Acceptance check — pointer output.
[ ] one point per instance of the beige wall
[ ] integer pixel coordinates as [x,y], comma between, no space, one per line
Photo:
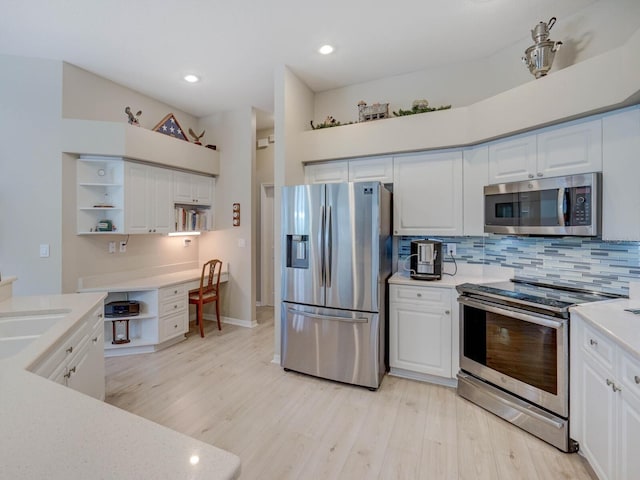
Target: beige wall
[263,175]
[599,28]
[88,96]
[30,173]
[235,135]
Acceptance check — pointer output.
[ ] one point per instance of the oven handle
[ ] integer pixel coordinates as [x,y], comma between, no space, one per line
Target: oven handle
[512,312]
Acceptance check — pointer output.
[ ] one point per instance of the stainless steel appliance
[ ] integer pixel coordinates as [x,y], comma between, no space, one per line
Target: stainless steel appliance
[426,260]
[548,206]
[514,353]
[337,258]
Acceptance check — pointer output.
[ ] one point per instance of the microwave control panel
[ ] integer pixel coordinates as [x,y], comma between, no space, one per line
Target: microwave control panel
[580,206]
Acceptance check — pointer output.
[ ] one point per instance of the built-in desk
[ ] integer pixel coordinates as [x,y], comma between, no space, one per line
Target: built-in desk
[163,319]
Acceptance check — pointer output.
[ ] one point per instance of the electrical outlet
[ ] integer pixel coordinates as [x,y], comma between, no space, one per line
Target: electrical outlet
[123,247]
[451,249]
[112,247]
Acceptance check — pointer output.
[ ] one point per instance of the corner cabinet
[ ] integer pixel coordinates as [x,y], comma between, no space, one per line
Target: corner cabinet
[100,195]
[605,402]
[420,333]
[428,194]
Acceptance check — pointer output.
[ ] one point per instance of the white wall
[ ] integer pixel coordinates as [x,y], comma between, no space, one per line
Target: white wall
[603,26]
[234,133]
[263,175]
[30,173]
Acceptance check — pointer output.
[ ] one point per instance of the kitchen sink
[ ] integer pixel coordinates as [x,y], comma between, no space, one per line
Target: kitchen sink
[10,346]
[27,324]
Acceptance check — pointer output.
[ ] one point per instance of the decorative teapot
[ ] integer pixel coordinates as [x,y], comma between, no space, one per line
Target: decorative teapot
[539,56]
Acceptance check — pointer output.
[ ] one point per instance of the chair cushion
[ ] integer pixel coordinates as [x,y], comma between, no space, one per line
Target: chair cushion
[205,297]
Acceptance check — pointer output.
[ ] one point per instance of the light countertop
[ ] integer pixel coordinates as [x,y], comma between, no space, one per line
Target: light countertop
[150,282]
[467,273]
[611,319]
[51,431]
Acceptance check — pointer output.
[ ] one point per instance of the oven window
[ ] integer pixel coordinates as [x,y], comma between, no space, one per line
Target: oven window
[516,348]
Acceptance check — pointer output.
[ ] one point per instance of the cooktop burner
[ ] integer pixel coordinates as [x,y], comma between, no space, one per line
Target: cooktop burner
[534,294]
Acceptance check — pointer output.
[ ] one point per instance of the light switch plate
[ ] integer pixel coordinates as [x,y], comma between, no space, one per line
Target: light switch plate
[112,247]
[44,250]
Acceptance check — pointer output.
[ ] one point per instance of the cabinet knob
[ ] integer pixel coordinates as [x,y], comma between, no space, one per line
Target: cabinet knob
[100,315]
[637,379]
[94,339]
[540,174]
[175,292]
[70,349]
[175,306]
[149,230]
[447,312]
[593,342]
[175,326]
[531,175]
[419,295]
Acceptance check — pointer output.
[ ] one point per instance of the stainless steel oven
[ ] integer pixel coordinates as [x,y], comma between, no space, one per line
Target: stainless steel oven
[514,354]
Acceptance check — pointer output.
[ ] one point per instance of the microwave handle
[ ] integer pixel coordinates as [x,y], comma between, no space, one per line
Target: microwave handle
[563,206]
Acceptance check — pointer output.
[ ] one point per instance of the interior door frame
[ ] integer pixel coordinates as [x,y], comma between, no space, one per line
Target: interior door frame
[266,227]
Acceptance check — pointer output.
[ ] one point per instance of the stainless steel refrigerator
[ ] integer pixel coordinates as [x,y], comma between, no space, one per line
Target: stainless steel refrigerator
[337,258]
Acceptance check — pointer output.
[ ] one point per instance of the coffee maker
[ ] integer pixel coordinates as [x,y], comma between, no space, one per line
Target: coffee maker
[426,260]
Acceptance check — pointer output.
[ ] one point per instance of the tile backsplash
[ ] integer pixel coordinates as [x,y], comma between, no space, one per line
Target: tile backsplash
[582,262]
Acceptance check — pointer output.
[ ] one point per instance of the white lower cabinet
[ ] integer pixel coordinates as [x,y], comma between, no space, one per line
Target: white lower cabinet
[605,402]
[420,331]
[78,358]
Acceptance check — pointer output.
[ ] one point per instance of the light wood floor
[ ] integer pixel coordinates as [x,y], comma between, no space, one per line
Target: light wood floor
[225,391]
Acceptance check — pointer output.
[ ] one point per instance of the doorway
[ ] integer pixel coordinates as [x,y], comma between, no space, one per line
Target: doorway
[267,293]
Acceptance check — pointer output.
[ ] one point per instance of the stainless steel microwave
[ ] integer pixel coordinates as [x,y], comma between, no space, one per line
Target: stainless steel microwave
[568,205]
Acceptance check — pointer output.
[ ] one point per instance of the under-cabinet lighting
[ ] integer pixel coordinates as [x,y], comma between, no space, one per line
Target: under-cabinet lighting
[182,234]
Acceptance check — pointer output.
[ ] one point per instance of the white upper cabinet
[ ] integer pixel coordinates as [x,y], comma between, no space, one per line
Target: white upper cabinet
[620,173]
[475,176]
[556,151]
[148,198]
[570,149]
[428,194]
[374,169]
[192,189]
[513,159]
[330,172]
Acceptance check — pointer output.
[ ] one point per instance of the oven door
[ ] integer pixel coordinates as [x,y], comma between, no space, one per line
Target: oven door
[522,352]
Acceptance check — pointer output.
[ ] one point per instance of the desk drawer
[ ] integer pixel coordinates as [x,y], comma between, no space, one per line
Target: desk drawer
[173,306]
[172,293]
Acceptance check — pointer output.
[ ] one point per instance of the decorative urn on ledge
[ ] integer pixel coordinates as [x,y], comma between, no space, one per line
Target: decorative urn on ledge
[539,56]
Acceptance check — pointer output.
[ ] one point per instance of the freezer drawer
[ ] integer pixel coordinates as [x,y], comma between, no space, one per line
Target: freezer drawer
[338,345]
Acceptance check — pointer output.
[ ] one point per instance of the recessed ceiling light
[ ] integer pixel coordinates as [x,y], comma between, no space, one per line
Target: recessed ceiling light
[325,49]
[192,78]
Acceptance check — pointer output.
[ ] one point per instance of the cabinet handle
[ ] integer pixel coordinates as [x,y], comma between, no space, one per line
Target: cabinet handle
[447,312]
[68,374]
[593,342]
[100,315]
[419,295]
[637,379]
[540,174]
[616,388]
[94,339]
[70,349]
[531,175]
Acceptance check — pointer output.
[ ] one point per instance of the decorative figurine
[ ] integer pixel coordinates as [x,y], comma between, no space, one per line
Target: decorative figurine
[376,111]
[133,119]
[196,138]
[539,56]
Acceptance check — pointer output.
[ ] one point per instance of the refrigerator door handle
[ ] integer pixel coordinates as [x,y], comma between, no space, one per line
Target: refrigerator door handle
[328,241]
[327,317]
[321,235]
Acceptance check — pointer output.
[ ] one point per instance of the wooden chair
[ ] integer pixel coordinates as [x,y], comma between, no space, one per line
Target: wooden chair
[208,291]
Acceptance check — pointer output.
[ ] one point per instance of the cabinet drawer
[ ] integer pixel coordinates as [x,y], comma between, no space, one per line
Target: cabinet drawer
[171,293]
[598,346]
[420,295]
[65,350]
[630,374]
[175,306]
[173,325]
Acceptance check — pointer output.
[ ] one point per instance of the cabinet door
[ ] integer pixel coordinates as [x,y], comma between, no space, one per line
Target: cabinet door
[89,374]
[597,417]
[513,159]
[331,172]
[420,330]
[202,189]
[427,197]
[182,188]
[629,437]
[161,191]
[378,169]
[621,170]
[576,148]
[137,203]
[475,173]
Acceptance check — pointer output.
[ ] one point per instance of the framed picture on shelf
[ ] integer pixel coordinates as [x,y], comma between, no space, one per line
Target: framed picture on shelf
[170,126]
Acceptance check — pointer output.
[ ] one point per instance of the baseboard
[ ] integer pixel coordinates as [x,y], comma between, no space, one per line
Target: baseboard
[232,321]
[276,359]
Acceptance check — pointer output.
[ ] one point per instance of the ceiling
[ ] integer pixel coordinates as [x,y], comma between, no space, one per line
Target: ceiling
[235,46]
